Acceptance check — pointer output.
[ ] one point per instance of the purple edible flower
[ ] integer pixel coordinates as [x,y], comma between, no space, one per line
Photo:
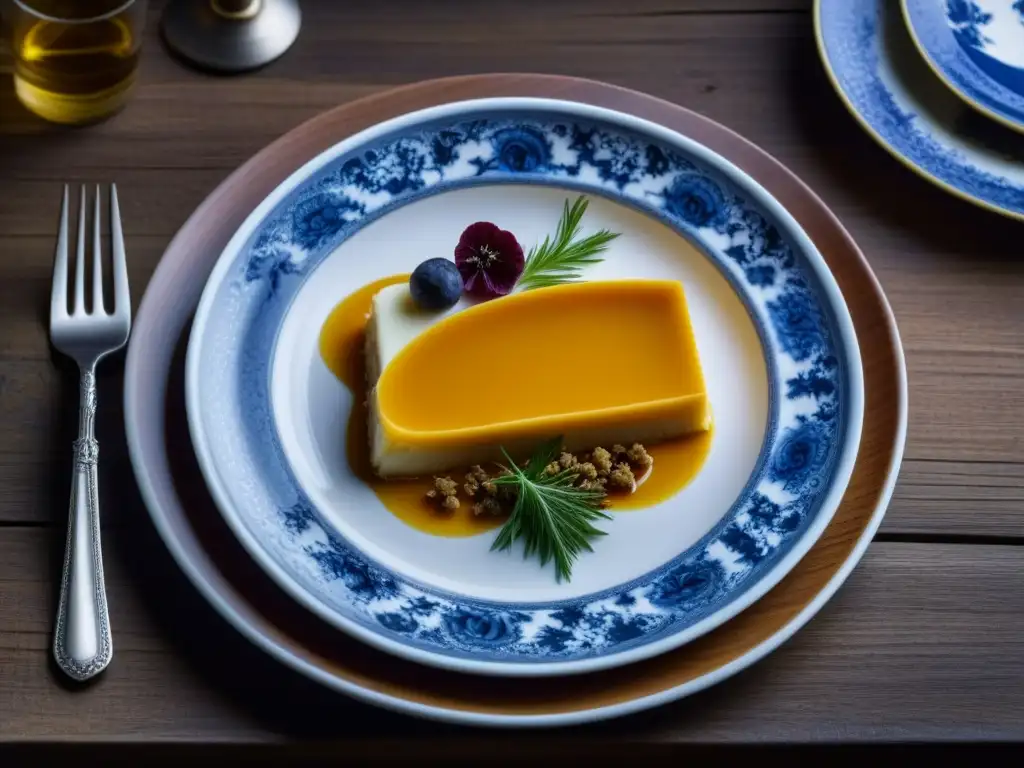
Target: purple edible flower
[489,259]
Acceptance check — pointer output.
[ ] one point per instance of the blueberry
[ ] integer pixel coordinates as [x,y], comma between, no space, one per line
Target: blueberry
[436,284]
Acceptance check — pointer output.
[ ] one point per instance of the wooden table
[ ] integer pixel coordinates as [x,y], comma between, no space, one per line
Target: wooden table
[926,640]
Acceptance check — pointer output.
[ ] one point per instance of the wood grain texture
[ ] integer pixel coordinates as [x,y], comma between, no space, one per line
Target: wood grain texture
[952,272]
[923,643]
[943,651]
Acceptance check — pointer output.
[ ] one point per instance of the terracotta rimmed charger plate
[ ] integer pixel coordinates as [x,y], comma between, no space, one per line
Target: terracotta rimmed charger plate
[185,516]
[778,355]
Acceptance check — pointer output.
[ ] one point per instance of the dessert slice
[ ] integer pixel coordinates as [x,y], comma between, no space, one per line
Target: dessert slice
[597,362]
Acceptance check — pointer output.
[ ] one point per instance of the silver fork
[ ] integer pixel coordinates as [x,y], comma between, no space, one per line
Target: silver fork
[81,643]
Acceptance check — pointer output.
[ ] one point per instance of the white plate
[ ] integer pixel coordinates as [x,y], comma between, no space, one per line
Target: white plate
[311,408]
[774,335]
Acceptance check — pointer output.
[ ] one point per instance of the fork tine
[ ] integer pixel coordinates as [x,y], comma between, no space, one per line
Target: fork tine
[97,258]
[122,299]
[79,307]
[59,292]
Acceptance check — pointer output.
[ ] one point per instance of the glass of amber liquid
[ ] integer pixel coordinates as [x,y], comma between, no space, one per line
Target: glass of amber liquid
[75,61]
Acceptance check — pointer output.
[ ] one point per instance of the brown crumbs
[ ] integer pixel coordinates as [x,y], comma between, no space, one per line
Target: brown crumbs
[602,461]
[446,486]
[488,505]
[601,471]
[639,456]
[444,494]
[622,477]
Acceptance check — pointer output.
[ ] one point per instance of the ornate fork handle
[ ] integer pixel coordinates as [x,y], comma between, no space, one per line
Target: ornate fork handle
[81,643]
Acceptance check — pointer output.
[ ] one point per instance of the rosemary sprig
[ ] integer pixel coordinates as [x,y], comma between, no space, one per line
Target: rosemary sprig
[551,515]
[561,260]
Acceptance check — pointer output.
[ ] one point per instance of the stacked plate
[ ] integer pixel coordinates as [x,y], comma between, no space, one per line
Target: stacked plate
[938,83]
[245,452]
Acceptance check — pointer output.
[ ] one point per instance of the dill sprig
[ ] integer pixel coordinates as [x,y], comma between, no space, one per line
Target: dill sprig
[551,515]
[561,260]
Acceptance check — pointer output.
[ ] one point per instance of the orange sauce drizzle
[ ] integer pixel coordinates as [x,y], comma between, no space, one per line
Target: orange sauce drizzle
[342,340]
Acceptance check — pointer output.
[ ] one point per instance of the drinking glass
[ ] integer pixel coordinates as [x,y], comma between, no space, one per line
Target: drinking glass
[75,61]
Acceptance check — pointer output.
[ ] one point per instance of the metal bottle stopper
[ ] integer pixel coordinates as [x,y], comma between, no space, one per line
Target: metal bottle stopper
[230,35]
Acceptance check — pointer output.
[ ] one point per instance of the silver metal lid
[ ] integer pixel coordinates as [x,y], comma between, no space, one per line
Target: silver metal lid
[230,35]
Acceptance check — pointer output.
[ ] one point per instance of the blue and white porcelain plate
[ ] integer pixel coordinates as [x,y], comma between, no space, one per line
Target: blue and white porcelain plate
[884,82]
[777,345]
[977,48]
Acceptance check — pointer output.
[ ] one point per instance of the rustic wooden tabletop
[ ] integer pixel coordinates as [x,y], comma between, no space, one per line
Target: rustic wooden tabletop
[926,640]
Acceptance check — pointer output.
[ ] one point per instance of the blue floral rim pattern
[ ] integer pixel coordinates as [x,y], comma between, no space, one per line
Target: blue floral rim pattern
[952,35]
[852,40]
[815,407]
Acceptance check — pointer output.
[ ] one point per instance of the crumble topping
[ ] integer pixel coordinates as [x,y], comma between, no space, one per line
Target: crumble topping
[621,477]
[638,455]
[599,470]
[602,461]
[444,494]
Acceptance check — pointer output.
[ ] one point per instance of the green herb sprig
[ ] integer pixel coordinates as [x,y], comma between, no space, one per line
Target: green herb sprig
[561,260]
[551,515]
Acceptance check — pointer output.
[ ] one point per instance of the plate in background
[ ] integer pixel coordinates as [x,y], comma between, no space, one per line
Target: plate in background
[880,77]
[977,48]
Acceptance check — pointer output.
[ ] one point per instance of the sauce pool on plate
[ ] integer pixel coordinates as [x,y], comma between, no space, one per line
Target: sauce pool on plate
[676,462]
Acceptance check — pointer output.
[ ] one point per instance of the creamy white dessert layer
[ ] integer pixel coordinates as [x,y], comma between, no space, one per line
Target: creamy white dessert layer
[395,320]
